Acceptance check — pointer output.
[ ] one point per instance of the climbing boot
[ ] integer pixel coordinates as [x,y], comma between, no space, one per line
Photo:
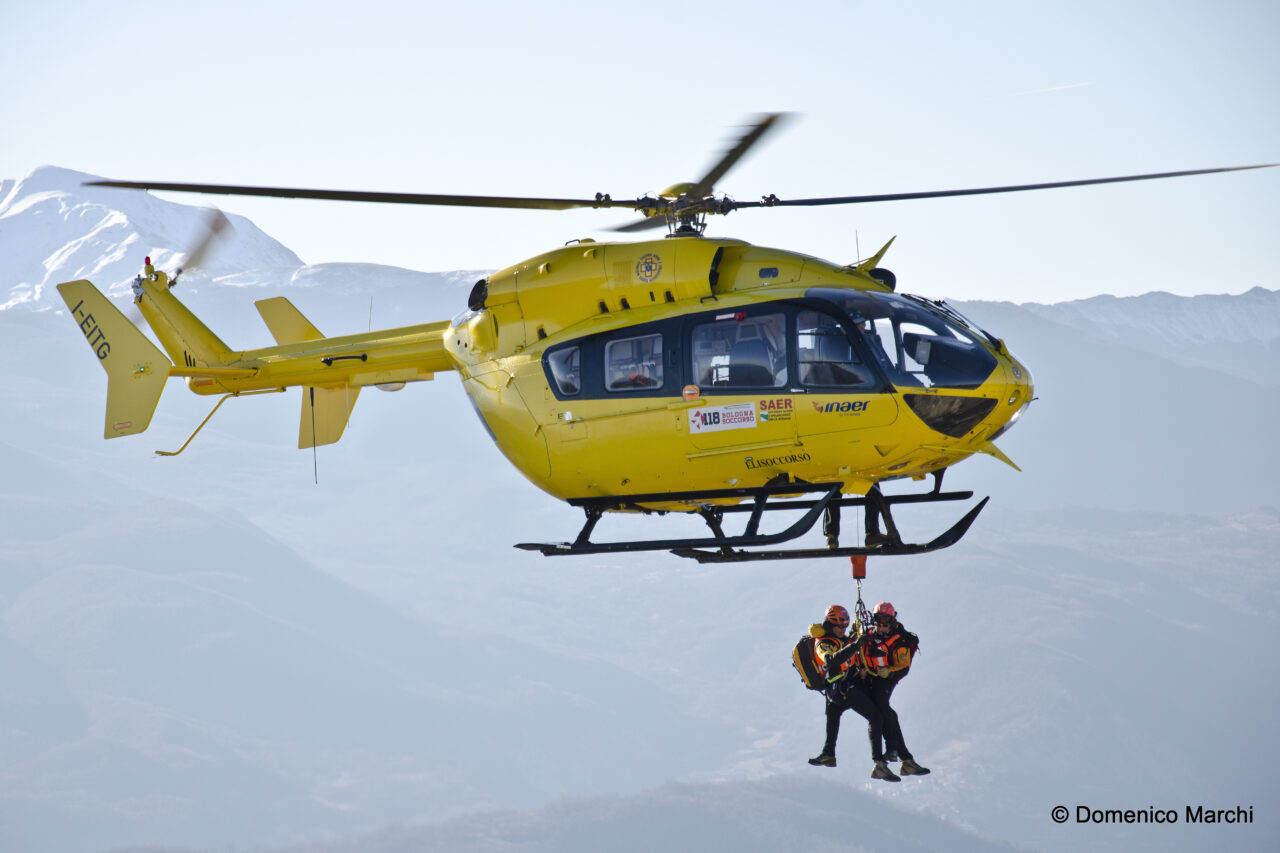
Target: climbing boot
[882,771]
[910,768]
[826,759]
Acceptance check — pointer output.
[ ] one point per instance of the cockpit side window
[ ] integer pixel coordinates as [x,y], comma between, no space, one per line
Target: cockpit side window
[825,355]
[923,352]
[916,344]
[740,351]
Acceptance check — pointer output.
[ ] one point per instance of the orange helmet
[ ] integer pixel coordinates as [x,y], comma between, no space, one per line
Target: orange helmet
[838,615]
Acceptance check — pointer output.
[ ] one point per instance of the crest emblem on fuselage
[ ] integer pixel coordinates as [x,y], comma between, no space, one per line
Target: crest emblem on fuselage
[648,267]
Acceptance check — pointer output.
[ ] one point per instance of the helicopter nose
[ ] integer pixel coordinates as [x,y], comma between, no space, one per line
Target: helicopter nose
[1020,393]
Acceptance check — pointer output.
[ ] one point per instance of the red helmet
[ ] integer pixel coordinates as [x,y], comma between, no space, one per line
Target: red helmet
[837,615]
[886,608]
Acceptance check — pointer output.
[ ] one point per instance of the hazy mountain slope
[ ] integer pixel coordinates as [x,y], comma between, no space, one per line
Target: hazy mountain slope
[783,813]
[1118,426]
[207,669]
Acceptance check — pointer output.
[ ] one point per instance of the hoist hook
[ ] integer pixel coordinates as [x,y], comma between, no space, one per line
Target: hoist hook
[858,563]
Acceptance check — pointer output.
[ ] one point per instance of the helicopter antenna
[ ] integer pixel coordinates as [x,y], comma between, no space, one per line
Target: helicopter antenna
[315,464]
[857,246]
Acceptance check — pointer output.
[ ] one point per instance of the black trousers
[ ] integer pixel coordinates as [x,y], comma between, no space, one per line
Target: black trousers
[880,689]
[853,693]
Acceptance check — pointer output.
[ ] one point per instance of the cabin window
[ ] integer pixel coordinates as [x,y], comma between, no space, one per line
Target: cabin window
[633,364]
[566,369]
[825,354]
[740,351]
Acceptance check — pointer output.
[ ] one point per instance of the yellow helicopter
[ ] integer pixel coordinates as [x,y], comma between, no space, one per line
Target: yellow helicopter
[684,374]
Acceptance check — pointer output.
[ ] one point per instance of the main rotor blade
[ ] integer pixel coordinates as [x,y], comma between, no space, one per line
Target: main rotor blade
[383,198]
[646,224]
[734,154]
[772,201]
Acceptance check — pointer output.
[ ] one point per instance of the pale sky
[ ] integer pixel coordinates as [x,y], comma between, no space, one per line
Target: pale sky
[566,100]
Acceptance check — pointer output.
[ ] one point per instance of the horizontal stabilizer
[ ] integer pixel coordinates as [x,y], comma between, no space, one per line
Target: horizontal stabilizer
[324,414]
[286,322]
[136,368]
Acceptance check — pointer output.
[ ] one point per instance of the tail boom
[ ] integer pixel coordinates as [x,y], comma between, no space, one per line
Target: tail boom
[331,371]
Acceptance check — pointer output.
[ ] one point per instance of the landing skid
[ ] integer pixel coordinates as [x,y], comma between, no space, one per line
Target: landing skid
[725,549]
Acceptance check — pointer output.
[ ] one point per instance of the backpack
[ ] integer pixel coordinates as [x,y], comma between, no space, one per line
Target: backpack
[802,658]
[912,642]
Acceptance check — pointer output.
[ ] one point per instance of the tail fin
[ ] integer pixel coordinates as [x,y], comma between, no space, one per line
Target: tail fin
[136,369]
[324,414]
[286,322]
[324,410]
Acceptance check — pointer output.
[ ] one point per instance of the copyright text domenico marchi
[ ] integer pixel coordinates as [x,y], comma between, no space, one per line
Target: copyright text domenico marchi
[1151,814]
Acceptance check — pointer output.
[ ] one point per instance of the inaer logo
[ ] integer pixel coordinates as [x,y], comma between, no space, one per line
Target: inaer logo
[648,267]
[848,407]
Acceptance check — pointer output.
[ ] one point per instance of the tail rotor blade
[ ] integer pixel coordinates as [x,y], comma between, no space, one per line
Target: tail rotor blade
[215,225]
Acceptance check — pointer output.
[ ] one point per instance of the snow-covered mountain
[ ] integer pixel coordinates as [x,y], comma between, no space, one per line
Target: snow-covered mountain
[38,212]
[233,647]
[1234,334]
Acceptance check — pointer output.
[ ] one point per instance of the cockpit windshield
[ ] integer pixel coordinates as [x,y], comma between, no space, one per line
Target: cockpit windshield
[915,342]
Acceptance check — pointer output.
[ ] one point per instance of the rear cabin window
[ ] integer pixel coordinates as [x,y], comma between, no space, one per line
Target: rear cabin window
[633,364]
[737,351]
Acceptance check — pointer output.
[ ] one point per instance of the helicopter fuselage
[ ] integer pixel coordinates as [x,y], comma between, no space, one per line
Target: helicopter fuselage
[683,367]
[692,364]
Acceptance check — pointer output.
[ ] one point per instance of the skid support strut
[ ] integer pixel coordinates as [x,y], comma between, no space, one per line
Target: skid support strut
[721,547]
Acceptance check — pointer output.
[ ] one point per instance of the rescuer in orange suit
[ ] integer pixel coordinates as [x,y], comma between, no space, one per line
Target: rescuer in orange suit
[890,657]
[845,662]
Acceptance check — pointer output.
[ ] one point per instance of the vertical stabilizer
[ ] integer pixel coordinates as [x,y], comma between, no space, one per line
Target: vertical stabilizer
[136,369]
[325,411]
[324,414]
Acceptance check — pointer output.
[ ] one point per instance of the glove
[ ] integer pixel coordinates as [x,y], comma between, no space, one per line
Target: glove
[840,658]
